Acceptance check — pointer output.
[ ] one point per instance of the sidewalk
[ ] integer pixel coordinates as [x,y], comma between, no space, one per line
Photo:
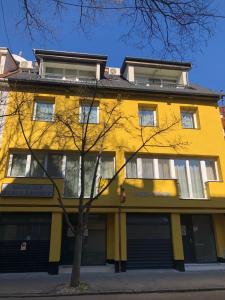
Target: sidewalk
[136,281]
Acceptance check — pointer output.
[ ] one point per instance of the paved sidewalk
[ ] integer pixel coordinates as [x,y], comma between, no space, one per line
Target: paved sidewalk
[137,281]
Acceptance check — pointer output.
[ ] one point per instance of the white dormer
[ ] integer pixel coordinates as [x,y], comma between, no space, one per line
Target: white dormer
[70,66]
[156,73]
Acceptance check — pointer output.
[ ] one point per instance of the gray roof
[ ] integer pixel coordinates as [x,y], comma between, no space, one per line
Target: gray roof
[115,82]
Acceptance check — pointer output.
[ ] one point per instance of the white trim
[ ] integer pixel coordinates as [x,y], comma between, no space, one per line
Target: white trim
[28,165]
[217,170]
[156,168]
[139,167]
[188,173]
[172,169]
[64,165]
[10,165]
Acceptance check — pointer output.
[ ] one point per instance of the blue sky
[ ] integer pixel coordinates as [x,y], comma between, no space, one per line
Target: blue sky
[208,64]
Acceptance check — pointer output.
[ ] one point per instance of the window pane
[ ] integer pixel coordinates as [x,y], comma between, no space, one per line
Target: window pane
[131,168]
[70,74]
[164,168]
[147,168]
[56,73]
[89,167]
[196,179]
[181,175]
[107,166]
[54,166]
[210,170]
[71,183]
[89,111]
[44,111]
[187,119]
[35,169]
[87,75]
[146,117]
[18,165]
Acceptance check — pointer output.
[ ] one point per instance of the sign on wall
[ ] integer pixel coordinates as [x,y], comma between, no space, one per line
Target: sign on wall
[27,190]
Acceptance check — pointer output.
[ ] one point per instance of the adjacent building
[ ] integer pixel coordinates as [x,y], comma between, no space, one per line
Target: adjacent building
[172,207]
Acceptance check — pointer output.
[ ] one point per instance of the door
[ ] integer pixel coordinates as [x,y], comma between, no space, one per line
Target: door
[198,239]
[149,241]
[24,242]
[94,244]
[188,240]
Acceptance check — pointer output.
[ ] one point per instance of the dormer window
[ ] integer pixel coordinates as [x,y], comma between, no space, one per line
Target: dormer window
[71,74]
[155,73]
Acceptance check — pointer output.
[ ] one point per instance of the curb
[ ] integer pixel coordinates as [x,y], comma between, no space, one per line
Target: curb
[113,292]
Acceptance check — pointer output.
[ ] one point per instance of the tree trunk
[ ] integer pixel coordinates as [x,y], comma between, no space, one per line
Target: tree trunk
[75,275]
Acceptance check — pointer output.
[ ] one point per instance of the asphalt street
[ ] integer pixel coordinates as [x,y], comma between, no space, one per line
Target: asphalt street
[209,295]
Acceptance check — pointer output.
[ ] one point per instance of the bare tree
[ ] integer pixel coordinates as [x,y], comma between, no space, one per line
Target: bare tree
[166,27]
[73,129]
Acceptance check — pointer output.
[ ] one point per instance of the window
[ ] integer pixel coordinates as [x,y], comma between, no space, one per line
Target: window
[43,110]
[71,183]
[107,166]
[89,114]
[55,165]
[140,167]
[211,170]
[164,168]
[72,173]
[188,119]
[190,179]
[70,74]
[147,117]
[17,165]
[35,169]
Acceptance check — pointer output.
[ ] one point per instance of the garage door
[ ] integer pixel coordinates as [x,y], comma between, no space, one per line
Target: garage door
[94,244]
[24,242]
[149,242]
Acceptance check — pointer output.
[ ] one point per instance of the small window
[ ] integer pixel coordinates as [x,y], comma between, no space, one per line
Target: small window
[164,168]
[211,170]
[17,166]
[54,165]
[107,166]
[188,119]
[43,110]
[147,117]
[89,114]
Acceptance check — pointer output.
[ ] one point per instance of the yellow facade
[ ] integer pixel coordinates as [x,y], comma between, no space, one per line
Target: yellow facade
[153,196]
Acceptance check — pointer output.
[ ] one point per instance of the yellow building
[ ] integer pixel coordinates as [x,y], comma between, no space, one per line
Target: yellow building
[164,210]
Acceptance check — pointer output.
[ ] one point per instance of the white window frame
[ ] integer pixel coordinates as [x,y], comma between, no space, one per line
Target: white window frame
[154,116]
[35,110]
[10,165]
[195,122]
[80,113]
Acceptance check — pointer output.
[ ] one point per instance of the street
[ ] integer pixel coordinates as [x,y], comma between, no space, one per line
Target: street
[209,295]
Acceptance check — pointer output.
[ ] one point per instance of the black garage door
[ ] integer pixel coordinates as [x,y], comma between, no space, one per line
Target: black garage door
[94,245]
[24,242]
[149,242]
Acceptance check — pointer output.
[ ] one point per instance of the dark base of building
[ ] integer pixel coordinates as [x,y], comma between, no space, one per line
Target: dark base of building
[53,268]
[221,259]
[179,265]
[120,266]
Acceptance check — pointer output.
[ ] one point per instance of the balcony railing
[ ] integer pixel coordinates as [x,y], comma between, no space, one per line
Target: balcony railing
[71,78]
[161,84]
